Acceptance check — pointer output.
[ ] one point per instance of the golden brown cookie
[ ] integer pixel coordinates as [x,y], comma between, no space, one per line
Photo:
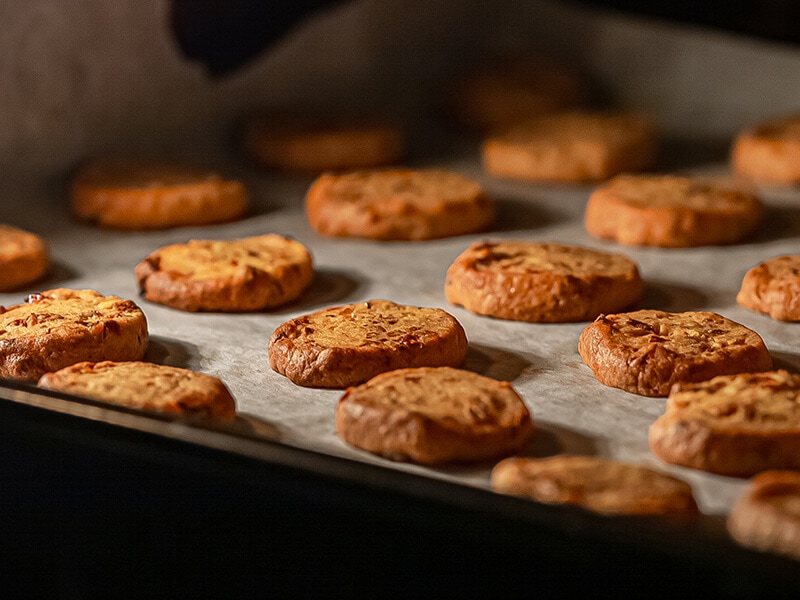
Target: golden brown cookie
[397,204]
[57,328]
[671,211]
[139,195]
[575,147]
[314,145]
[773,288]
[504,91]
[607,487]
[541,282]
[735,425]
[769,152]
[434,416]
[226,275]
[146,386]
[766,516]
[347,345]
[23,258]
[647,351]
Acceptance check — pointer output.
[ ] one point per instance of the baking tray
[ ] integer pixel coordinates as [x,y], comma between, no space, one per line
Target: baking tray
[283,450]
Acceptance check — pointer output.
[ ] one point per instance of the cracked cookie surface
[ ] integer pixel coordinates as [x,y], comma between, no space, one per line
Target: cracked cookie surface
[647,351]
[347,345]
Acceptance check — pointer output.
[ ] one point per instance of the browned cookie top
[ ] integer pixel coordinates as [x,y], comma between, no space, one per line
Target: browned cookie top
[773,288]
[146,386]
[59,327]
[541,282]
[397,204]
[434,415]
[647,351]
[604,486]
[226,275]
[346,345]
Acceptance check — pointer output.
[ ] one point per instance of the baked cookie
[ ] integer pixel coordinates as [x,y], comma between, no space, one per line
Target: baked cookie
[140,196]
[59,327]
[575,147]
[647,351]
[769,152]
[504,91]
[773,288]
[604,486]
[670,211]
[313,145]
[397,204]
[347,345]
[766,516]
[735,425]
[23,258]
[434,416]
[146,386]
[541,282]
[226,275]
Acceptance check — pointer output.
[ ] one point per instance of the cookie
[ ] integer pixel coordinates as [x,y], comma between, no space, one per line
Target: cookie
[571,147]
[671,211]
[141,196]
[647,351]
[397,204]
[503,91]
[434,416]
[607,487]
[314,145]
[146,386]
[347,345]
[60,327]
[766,516]
[773,288]
[769,152]
[23,258]
[241,275]
[541,282]
[735,425]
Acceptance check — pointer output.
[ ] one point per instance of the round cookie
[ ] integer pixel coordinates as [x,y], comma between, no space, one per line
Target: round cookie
[397,204]
[502,92]
[314,145]
[141,196]
[670,211]
[604,486]
[541,282]
[769,152]
[434,416]
[60,327]
[766,516]
[146,386]
[23,258]
[773,288]
[573,147]
[735,425]
[347,345]
[647,351]
[247,274]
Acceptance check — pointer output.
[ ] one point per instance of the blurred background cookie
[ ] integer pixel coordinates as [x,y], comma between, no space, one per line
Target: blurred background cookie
[23,258]
[139,195]
[769,152]
[773,288]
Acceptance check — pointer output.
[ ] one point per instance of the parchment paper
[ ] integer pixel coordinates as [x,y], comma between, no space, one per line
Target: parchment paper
[90,77]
